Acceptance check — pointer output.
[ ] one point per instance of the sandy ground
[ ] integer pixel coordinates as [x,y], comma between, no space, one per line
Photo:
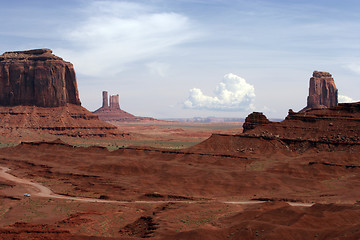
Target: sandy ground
[162,134]
[171,194]
[173,135]
[39,190]
[226,187]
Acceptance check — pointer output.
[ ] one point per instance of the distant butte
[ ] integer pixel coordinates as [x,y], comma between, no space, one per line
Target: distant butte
[322,92]
[114,112]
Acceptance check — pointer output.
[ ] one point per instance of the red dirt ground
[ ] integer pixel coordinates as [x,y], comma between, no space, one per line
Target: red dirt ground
[197,192]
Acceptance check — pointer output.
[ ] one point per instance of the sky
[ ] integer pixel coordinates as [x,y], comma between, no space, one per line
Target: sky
[194,58]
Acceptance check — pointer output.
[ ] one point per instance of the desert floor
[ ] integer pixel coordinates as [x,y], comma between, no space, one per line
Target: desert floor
[225,187]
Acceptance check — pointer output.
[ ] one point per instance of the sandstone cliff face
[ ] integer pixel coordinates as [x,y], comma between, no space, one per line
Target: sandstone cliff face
[37,78]
[322,91]
[39,97]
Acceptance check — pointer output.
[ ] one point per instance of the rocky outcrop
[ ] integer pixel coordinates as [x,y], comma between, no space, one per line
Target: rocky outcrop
[114,112]
[114,102]
[68,121]
[39,97]
[333,128]
[105,99]
[37,78]
[322,91]
[253,120]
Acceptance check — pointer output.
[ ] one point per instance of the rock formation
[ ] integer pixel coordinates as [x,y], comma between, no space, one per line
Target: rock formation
[114,102]
[39,94]
[334,129]
[105,99]
[253,120]
[114,112]
[68,121]
[36,78]
[322,91]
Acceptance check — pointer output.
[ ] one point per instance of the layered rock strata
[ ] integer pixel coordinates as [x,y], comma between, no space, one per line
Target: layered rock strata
[39,95]
[69,120]
[330,127]
[333,129]
[37,78]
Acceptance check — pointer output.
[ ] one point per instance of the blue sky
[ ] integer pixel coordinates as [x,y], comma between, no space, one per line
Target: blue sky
[186,58]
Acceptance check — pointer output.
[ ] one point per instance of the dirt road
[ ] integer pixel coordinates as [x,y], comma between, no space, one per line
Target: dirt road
[39,190]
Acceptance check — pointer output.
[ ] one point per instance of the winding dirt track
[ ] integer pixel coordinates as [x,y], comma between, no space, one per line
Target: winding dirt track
[39,190]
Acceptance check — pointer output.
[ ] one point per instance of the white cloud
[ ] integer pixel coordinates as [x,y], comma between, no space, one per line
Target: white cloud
[114,34]
[158,68]
[355,67]
[345,99]
[233,93]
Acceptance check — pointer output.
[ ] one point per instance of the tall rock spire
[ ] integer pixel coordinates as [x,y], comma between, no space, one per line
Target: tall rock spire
[322,91]
[105,99]
[114,101]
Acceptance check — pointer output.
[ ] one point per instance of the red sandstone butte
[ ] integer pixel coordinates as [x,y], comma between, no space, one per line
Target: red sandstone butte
[322,91]
[114,112]
[253,120]
[36,78]
[39,94]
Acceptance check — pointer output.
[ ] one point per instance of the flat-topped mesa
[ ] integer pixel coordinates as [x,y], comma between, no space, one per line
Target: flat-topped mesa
[37,78]
[39,94]
[322,91]
[35,54]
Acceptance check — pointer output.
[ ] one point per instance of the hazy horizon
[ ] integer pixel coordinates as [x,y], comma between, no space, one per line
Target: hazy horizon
[188,58]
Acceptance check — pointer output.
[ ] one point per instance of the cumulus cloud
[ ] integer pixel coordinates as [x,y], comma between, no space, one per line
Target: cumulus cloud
[345,99]
[113,34]
[233,93]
